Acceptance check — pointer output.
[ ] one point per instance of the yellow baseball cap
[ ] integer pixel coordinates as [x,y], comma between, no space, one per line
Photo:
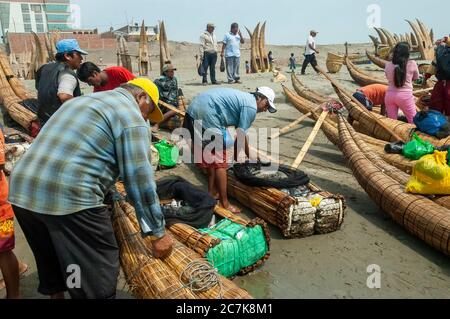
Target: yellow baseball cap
[152,91]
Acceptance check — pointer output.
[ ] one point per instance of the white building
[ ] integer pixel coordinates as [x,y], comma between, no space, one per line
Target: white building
[34,15]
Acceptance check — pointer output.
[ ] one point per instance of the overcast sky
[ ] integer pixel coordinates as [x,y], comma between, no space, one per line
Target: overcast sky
[288,21]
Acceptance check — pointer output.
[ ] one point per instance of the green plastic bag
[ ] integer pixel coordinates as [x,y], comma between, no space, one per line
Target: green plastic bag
[240,247]
[168,154]
[417,148]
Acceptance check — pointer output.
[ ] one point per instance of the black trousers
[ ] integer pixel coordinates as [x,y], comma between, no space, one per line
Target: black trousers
[311,58]
[209,61]
[76,253]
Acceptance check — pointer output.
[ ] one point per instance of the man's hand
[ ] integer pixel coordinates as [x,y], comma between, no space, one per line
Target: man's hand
[2,169]
[162,247]
[317,51]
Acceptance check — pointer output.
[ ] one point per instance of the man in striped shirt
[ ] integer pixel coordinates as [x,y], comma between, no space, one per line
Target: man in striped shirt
[58,188]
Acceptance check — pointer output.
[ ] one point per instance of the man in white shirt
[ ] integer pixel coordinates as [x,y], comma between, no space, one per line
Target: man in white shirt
[310,52]
[232,52]
[208,53]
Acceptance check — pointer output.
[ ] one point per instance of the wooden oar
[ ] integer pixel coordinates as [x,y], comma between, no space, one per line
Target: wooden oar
[350,96]
[172,108]
[310,140]
[423,91]
[297,122]
[289,127]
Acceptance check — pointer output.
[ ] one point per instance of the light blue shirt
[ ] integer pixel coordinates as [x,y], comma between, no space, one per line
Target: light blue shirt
[223,107]
[232,43]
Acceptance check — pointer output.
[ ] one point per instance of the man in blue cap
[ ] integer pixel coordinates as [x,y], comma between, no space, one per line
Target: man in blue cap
[56,82]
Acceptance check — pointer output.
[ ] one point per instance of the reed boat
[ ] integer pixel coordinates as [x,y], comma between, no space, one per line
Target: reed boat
[144,57]
[164,52]
[376,60]
[419,215]
[259,61]
[375,125]
[361,77]
[307,93]
[395,165]
[330,130]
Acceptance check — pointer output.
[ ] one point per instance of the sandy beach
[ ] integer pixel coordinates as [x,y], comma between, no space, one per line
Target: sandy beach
[325,266]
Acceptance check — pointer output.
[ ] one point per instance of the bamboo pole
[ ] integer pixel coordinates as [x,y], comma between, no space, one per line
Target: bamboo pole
[336,84]
[310,140]
[289,127]
[172,108]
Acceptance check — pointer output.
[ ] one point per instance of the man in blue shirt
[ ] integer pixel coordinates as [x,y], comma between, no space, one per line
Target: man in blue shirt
[58,188]
[207,120]
[231,51]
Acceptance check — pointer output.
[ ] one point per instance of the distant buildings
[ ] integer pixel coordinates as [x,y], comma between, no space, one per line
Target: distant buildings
[132,32]
[40,16]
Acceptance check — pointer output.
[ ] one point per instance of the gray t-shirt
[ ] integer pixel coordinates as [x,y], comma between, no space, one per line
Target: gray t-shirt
[67,84]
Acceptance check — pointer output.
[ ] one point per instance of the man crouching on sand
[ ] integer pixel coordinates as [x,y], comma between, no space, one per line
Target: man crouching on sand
[58,188]
[218,109]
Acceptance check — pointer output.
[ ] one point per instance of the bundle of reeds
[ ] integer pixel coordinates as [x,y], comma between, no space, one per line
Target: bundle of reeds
[201,242]
[283,210]
[14,82]
[182,262]
[147,277]
[10,101]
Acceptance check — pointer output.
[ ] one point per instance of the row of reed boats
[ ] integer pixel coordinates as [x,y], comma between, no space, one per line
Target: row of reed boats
[382,175]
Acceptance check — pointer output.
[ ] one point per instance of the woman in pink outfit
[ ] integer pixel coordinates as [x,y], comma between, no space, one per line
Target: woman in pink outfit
[401,73]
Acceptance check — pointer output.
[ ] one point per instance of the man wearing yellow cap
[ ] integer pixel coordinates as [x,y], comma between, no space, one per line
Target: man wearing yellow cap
[58,188]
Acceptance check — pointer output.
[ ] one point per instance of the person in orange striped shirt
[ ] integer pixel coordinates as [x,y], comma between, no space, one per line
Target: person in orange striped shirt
[372,95]
[9,265]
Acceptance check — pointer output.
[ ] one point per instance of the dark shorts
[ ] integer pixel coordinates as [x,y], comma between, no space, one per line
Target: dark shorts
[77,253]
[361,97]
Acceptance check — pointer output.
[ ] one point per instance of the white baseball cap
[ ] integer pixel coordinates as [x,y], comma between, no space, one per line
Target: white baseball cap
[270,95]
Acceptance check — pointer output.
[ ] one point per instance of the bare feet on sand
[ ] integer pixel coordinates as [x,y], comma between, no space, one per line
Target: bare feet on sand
[23,268]
[231,208]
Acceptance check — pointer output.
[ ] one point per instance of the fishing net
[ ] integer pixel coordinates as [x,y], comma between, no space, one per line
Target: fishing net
[258,175]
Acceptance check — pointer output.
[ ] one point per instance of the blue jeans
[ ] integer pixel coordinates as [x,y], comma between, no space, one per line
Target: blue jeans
[233,68]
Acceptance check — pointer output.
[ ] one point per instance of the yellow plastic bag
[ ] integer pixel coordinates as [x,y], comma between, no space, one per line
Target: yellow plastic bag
[431,175]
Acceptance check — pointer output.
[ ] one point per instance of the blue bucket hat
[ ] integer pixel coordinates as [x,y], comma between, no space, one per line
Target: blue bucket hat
[69,45]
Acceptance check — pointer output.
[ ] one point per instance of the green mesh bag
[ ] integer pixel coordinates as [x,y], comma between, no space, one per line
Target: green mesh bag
[240,247]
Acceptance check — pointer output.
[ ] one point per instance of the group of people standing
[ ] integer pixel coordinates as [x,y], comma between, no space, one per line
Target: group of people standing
[230,51]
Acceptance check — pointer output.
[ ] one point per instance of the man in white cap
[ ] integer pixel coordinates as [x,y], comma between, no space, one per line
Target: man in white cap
[310,52]
[218,109]
[208,53]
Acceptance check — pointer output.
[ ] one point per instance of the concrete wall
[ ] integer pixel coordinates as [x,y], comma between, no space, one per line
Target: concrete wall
[21,42]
